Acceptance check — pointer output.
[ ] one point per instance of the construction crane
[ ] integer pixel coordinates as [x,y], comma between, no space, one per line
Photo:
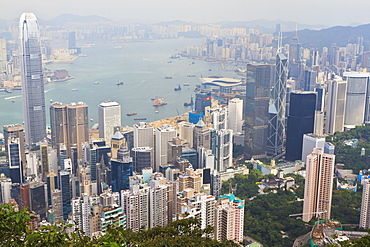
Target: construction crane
[320,212]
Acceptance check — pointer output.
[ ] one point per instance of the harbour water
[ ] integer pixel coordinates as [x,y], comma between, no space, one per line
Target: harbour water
[142,67]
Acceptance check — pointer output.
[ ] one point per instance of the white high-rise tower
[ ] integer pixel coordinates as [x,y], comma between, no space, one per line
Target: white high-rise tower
[109,117]
[235,115]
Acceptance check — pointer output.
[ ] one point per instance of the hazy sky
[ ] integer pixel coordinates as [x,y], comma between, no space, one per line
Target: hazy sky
[326,12]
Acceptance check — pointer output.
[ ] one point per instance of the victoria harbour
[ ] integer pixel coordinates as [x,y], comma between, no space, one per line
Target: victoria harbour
[140,66]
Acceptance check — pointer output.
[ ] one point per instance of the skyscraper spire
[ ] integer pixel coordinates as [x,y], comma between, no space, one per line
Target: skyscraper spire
[32,79]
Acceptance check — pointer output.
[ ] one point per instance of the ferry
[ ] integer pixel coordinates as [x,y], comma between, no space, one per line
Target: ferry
[140,118]
[186,84]
[131,114]
[168,77]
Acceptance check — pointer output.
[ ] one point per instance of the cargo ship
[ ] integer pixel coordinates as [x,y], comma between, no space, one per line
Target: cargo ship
[191,102]
[140,118]
[159,102]
[131,114]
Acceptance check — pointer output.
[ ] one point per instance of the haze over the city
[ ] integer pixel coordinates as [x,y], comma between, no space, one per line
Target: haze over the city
[328,13]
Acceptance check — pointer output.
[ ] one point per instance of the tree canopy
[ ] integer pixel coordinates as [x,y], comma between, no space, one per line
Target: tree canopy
[15,231]
[348,155]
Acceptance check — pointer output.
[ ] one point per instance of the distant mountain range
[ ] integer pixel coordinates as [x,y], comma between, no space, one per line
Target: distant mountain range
[61,20]
[309,35]
[339,35]
[268,26]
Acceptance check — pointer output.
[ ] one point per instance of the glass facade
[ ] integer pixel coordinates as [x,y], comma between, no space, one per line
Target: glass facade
[256,110]
[32,79]
[277,108]
[121,171]
[300,121]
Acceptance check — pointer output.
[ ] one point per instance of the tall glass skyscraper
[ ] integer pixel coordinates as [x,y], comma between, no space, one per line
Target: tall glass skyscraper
[276,136]
[256,110]
[32,79]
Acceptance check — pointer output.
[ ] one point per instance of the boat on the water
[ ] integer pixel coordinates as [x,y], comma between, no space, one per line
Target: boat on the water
[131,114]
[159,102]
[168,77]
[186,84]
[74,89]
[96,83]
[119,83]
[191,75]
[190,103]
[140,118]
[177,88]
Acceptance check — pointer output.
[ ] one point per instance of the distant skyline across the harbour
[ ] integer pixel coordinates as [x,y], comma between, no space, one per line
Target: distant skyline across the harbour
[314,12]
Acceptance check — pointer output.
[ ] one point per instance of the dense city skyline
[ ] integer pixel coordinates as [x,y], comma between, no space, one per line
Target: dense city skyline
[201,164]
[328,13]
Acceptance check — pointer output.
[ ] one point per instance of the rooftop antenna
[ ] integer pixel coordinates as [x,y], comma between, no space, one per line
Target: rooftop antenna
[280,41]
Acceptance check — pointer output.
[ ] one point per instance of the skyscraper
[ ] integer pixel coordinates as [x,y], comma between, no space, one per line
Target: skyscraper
[235,116]
[109,117]
[224,149]
[142,157]
[365,205]
[69,126]
[358,99]
[66,192]
[202,100]
[276,134]
[32,79]
[318,185]
[163,135]
[121,170]
[143,135]
[336,103]
[256,110]
[300,121]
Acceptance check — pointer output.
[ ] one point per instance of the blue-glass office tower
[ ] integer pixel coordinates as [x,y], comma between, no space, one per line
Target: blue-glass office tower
[66,188]
[15,161]
[202,100]
[32,79]
[192,156]
[300,121]
[97,154]
[121,171]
